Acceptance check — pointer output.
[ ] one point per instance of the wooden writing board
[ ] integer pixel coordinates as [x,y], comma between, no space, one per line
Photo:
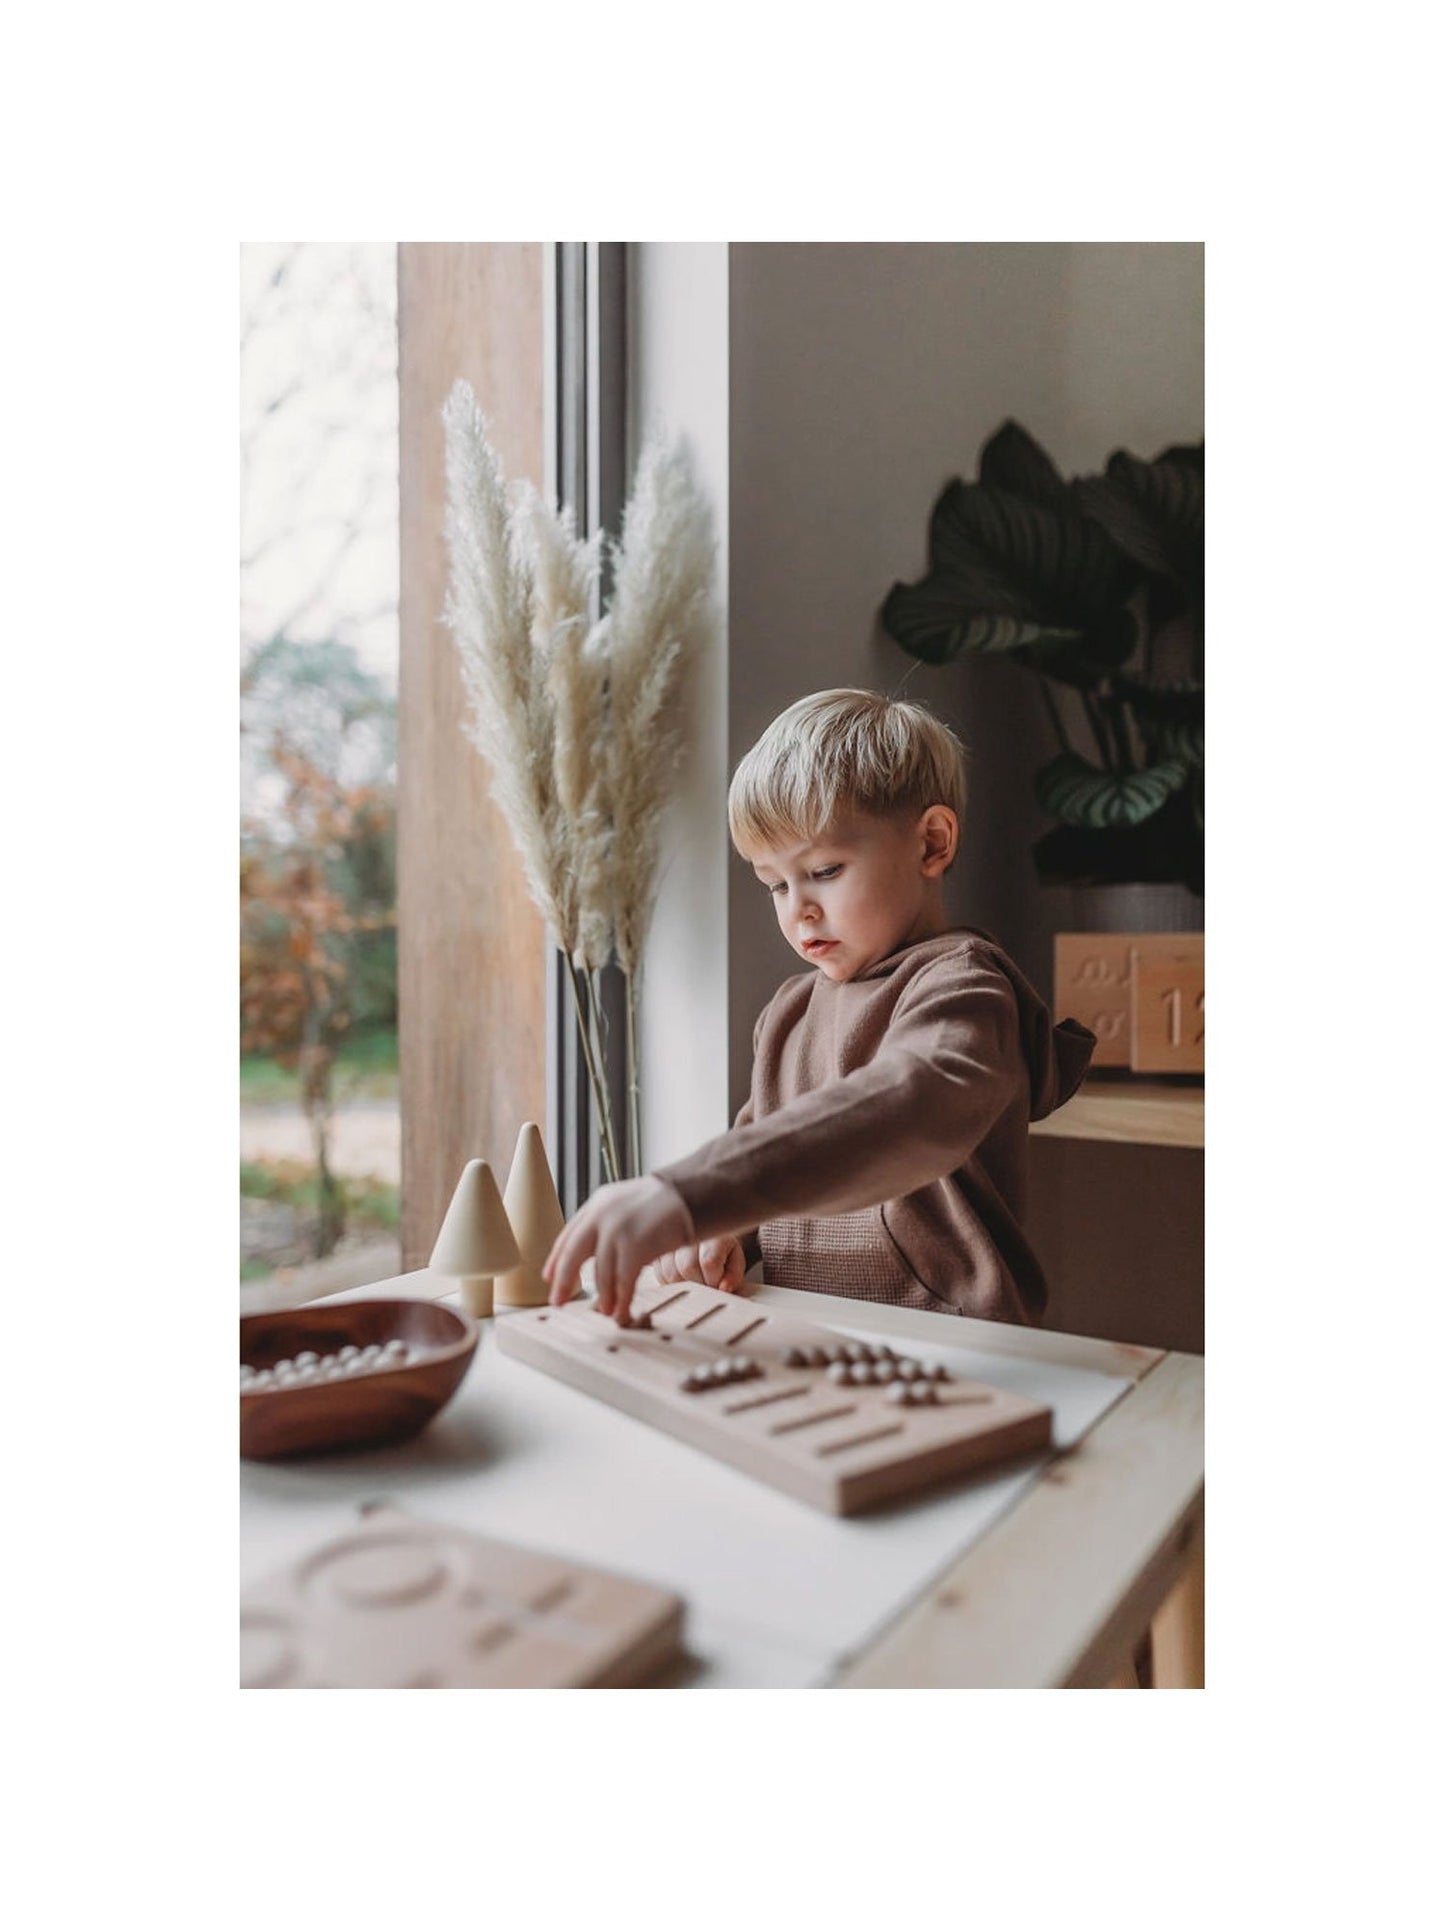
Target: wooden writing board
[400,1602]
[842,1448]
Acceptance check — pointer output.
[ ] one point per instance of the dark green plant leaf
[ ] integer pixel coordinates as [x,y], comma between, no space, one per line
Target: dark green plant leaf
[1170,716]
[1084,663]
[1166,848]
[1076,792]
[1154,512]
[1009,556]
[931,621]
[1189,454]
[1011,459]
[1183,742]
[1162,701]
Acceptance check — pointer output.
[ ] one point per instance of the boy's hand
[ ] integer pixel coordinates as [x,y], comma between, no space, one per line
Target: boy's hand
[623,1227]
[720,1262]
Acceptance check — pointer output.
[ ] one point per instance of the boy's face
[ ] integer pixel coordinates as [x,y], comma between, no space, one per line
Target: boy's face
[865,888]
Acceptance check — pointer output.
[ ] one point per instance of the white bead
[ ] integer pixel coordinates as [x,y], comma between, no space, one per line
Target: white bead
[348,1352]
[307,1358]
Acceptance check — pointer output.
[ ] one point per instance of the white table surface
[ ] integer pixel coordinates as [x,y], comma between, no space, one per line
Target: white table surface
[777,1594]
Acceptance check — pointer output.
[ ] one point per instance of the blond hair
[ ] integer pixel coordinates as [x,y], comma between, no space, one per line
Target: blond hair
[841,750]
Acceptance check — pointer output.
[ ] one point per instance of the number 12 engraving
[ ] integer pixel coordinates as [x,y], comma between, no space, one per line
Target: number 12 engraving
[1174,999]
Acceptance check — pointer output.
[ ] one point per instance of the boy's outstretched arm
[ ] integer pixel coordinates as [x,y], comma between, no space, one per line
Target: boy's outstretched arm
[623,1227]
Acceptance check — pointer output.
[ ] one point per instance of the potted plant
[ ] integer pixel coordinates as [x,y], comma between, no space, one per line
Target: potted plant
[1096,587]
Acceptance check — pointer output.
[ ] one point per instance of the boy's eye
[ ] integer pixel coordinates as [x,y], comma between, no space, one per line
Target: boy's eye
[819,875]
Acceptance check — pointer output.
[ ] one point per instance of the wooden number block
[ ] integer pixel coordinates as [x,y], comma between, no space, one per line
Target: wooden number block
[1167,1021]
[397,1601]
[753,1387]
[1091,985]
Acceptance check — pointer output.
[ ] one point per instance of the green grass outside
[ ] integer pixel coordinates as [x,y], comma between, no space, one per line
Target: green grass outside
[369,1201]
[366,1066]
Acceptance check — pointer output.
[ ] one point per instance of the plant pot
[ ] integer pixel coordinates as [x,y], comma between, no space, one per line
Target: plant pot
[1134,907]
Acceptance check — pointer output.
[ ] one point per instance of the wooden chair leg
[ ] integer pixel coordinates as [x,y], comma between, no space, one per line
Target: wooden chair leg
[1178,1630]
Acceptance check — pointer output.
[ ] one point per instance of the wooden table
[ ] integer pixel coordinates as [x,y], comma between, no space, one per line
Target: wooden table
[1102,1543]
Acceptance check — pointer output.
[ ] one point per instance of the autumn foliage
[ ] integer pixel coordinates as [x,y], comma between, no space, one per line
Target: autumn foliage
[312,890]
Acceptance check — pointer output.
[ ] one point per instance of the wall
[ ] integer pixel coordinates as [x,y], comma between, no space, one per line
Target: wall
[828,393]
[861,379]
[677,379]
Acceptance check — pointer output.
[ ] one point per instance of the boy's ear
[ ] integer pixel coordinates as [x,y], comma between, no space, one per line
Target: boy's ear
[939,828]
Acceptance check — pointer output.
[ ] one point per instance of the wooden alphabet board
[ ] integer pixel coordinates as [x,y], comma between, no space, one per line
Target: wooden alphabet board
[1141,995]
[841,1446]
[1092,976]
[400,1602]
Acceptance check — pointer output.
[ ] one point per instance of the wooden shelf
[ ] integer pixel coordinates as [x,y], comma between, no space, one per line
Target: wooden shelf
[1141,1111]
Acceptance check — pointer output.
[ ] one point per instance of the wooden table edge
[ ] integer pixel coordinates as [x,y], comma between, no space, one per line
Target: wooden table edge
[992,1619]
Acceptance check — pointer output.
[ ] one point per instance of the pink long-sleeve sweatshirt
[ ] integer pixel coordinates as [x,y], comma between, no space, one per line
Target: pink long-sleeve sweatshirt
[883,1150]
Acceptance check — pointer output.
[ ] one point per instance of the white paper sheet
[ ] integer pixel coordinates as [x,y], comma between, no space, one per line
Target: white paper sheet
[778,1594]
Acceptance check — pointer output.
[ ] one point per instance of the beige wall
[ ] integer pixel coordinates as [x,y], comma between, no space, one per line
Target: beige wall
[829,392]
[678,380]
[861,378]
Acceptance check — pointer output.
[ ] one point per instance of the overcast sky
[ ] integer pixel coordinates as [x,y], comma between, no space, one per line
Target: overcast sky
[319,446]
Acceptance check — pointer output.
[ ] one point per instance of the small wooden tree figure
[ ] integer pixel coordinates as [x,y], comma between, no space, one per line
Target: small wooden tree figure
[536,1217]
[475,1241]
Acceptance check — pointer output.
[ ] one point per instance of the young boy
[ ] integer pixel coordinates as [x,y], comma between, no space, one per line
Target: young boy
[882,1152]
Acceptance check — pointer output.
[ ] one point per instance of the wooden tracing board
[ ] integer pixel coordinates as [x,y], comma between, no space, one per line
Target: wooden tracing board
[841,1447]
[400,1602]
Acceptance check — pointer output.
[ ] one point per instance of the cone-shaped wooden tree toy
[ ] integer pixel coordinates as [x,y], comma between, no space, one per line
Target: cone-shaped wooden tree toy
[536,1216]
[475,1241]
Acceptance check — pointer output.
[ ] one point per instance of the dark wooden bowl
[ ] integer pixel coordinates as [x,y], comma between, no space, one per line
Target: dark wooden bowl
[373,1408]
